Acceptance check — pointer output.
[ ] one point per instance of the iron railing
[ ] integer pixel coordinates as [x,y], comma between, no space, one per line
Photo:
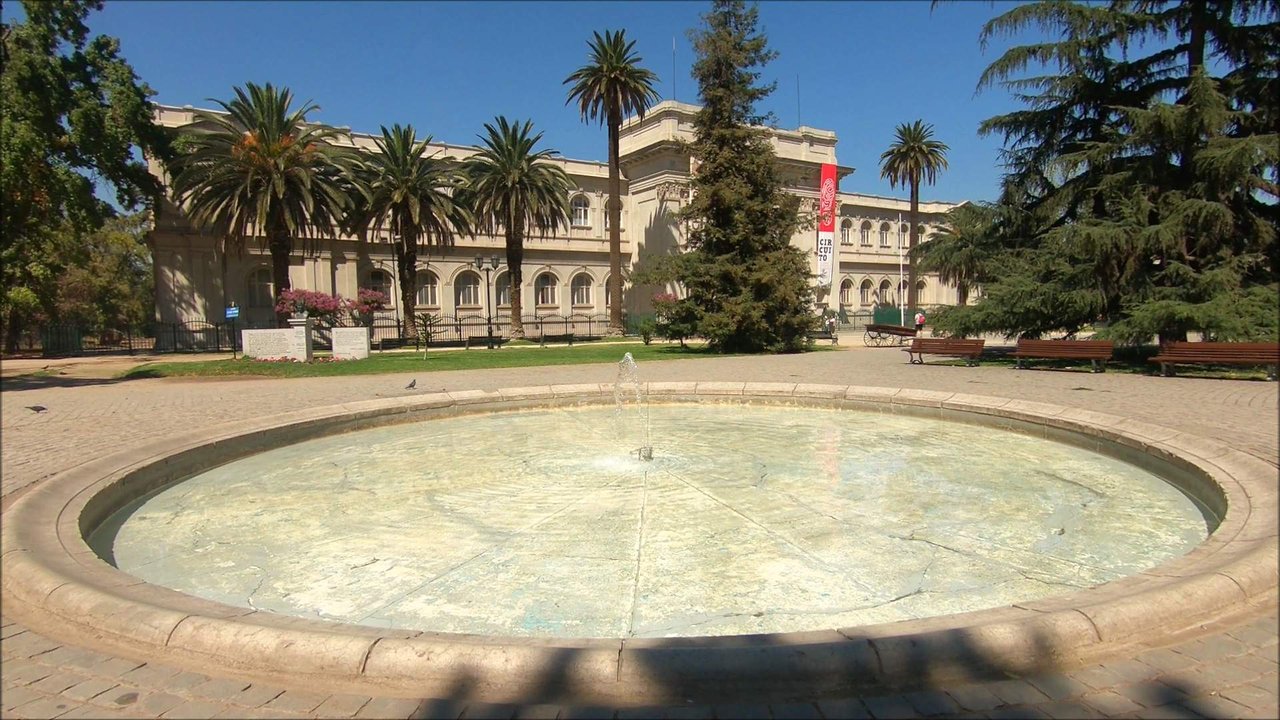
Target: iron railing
[386,332]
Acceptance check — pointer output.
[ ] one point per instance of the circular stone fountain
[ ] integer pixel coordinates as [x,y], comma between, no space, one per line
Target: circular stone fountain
[541,523]
[845,578]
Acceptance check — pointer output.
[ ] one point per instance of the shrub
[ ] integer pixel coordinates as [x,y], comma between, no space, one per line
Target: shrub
[323,308]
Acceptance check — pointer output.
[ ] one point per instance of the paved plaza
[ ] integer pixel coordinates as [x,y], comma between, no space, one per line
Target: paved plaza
[1226,669]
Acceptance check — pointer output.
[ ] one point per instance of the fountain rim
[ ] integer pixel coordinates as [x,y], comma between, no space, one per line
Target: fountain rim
[52,580]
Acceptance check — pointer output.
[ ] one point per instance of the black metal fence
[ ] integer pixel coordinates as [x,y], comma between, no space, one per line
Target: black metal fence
[386,333]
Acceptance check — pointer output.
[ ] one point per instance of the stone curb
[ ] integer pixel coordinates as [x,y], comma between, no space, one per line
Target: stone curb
[52,579]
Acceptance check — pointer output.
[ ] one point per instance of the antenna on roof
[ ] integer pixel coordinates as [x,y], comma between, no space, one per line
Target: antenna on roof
[797,101]
[673,67]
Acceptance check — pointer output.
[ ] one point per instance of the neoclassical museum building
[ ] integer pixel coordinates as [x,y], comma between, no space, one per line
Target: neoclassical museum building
[565,274]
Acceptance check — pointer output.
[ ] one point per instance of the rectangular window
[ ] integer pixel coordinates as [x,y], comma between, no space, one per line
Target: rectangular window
[469,293]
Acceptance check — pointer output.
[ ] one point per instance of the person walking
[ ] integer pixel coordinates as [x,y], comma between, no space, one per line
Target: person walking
[919,321]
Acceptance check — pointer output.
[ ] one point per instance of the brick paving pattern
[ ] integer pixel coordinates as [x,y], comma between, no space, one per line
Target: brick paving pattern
[1228,671]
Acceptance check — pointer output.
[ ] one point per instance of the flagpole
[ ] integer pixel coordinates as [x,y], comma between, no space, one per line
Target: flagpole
[902,309]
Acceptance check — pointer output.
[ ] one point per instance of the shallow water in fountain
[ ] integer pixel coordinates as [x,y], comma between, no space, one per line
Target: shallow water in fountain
[748,519]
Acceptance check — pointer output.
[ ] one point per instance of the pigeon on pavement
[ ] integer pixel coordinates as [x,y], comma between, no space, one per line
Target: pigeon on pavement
[37,408]
[412,384]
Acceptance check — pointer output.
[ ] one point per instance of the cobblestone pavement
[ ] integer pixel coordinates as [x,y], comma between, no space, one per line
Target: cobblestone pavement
[1228,670]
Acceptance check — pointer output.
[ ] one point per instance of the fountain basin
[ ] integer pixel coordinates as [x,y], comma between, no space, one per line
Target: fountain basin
[52,578]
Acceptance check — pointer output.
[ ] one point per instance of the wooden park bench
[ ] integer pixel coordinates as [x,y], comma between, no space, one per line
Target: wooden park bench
[880,335]
[1097,352]
[482,341]
[824,334]
[1218,353]
[561,337]
[967,349]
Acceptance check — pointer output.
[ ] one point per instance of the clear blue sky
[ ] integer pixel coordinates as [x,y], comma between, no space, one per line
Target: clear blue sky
[858,68]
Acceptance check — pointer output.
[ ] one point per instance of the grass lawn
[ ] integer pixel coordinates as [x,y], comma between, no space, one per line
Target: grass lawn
[397,362]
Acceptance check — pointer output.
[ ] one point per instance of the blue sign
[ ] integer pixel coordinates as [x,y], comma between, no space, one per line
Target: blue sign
[233,312]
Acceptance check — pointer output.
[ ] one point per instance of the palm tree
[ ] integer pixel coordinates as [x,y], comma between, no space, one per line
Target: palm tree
[408,192]
[259,169]
[914,157]
[962,249]
[609,87]
[509,185]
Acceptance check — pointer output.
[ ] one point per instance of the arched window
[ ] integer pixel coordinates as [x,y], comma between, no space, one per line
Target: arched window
[260,293]
[864,235]
[581,289]
[380,280]
[846,232]
[466,290]
[864,293]
[428,286]
[886,292]
[920,292]
[544,289]
[920,233]
[904,234]
[884,234]
[581,207]
[608,293]
[502,289]
[846,292]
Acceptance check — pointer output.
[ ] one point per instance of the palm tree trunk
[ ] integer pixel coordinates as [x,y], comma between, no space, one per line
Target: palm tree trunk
[515,257]
[615,226]
[405,264]
[912,299]
[962,294]
[280,246]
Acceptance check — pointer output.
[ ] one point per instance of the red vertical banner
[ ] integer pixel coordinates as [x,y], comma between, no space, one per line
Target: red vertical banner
[827,208]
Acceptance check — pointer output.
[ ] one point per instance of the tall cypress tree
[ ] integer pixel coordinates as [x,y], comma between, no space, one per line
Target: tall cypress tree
[1144,170]
[749,287]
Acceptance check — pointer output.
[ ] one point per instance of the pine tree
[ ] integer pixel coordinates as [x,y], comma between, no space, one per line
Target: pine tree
[1146,185]
[750,287]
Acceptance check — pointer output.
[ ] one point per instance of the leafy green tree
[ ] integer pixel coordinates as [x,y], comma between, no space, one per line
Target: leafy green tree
[514,189]
[914,157]
[111,285]
[408,192]
[73,113]
[962,248]
[611,86]
[750,287]
[260,169]
[1143,171]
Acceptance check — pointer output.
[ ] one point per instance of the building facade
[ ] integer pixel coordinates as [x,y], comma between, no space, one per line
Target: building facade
[564,274]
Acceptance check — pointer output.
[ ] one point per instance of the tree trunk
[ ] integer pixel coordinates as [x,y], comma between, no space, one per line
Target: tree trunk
[12,331]
[515,256]
[1196,41]
[912,299]
[405,265]
[281,247]
[962,294]
[614,210]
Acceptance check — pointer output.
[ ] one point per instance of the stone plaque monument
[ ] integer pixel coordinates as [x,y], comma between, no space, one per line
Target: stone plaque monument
[350,343]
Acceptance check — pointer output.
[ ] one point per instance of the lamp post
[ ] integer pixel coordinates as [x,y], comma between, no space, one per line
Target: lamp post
[902,308]
[488,291]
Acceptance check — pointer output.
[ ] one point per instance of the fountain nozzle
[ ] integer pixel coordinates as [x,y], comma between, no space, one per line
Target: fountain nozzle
[645,453]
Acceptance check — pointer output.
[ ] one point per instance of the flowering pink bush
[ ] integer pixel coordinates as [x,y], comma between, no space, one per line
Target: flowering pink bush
[319,306]
[367,303]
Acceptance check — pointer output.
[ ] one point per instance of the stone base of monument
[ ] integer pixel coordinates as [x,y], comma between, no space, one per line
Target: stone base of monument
[350,343]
